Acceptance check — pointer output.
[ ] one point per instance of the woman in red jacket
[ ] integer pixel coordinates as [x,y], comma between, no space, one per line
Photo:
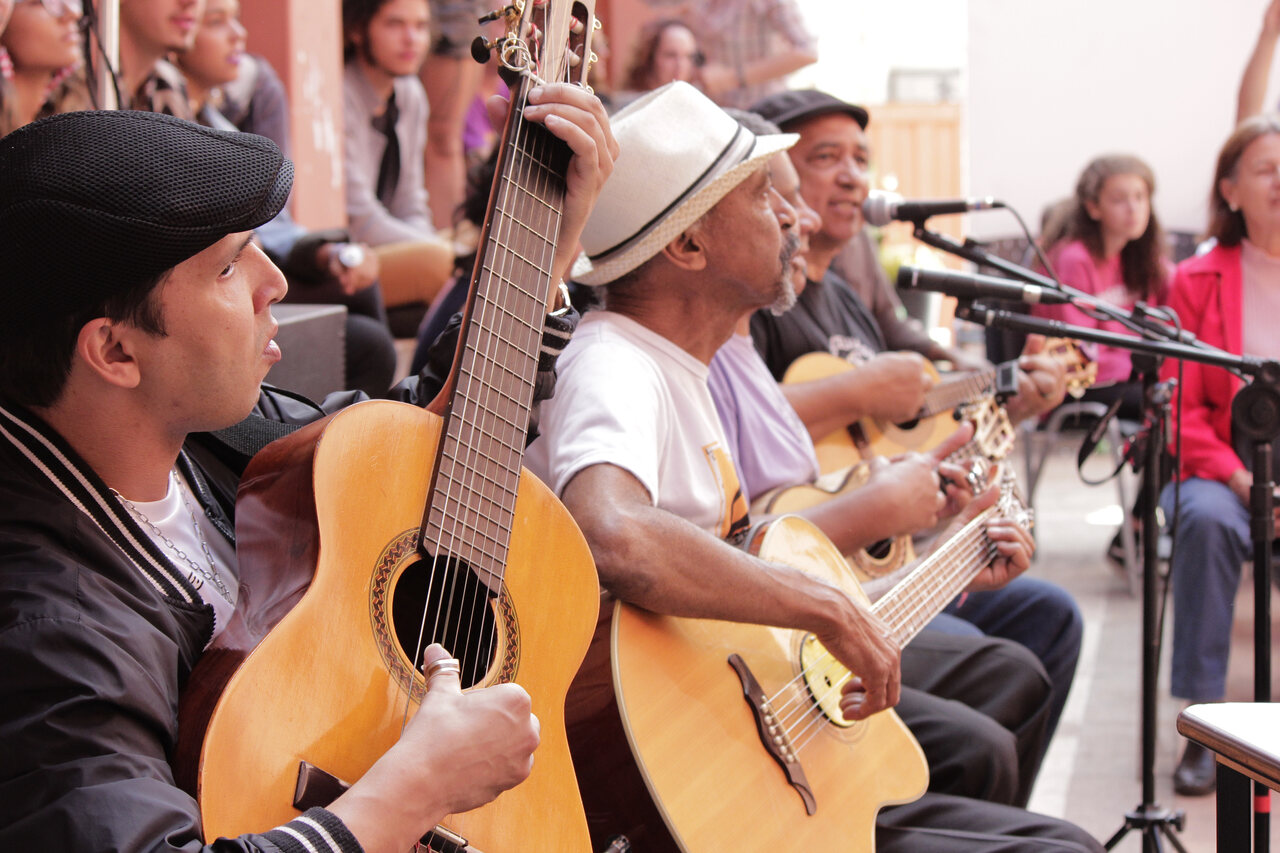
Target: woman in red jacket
[1229,297]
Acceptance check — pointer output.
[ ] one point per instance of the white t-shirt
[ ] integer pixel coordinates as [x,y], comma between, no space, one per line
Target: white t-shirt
[627,396]
[173,516]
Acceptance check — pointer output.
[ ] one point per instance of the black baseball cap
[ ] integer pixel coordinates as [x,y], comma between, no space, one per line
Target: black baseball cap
[787,108]
[95,203]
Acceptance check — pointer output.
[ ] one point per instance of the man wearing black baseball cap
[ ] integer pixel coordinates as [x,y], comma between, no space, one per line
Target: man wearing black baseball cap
[137,318]
[832,159]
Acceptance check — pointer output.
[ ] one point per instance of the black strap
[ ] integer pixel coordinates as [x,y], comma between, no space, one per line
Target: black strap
[252,434]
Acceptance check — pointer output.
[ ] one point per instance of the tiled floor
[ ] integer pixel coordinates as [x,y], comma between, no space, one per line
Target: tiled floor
[1091,774]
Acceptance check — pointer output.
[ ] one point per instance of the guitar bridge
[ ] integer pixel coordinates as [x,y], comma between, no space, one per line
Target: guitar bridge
[771,734]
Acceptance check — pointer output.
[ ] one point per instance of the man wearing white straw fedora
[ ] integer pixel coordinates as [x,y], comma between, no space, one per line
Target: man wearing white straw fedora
[688,235]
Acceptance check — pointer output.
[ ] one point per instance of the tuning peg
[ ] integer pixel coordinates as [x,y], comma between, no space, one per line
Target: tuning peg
[497,13]
[576,27]
[481,49]
[574,60]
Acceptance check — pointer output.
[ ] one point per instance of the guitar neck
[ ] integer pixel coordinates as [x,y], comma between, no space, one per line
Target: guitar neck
[923,593]
[956,389]
[477,470]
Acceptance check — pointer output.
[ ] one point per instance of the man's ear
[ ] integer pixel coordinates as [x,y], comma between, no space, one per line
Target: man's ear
[106,348]
[689,250]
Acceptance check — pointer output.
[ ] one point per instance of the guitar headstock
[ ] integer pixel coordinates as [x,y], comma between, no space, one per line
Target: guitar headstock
[546,41]
[1011,503]
[1082,371]
[993,434]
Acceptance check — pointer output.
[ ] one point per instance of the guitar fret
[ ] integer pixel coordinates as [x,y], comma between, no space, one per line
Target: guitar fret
[479,456]
[501,484]
[543,267]
[526,158]
[473,520]
[521,405]
[537,235]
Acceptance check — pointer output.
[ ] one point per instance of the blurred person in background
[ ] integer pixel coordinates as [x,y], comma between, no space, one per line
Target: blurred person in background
[1253,83]
[323,266]
[750,46]
[42,44]
[1107,241]
[451,78]
[386,114]
[1229,298]
[150,30]
[665,50]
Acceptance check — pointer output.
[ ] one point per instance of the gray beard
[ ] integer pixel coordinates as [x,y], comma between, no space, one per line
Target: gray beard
[786,298]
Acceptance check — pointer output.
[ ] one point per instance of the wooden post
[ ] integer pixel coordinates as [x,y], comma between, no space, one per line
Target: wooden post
[302,39]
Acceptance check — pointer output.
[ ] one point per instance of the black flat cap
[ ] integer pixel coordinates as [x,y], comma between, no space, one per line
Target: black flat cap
[93,203]
[787,108]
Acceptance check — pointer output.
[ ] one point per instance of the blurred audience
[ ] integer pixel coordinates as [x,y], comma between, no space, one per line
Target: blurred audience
[42,44]
[665,50]
[322,267]
[149,31]
[1107,241]
[451,78]
[385,111]
[750,46]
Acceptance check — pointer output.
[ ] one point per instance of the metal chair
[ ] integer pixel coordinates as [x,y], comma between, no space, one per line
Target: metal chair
[1040,440]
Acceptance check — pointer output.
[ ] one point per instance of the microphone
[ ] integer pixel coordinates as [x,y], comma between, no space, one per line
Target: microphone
[881,208]
[971,286]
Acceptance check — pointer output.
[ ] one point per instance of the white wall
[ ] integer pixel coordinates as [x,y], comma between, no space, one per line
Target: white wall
[1053,84]
[859,41]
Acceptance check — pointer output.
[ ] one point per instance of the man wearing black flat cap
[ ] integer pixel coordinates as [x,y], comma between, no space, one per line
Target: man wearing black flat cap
[118,351]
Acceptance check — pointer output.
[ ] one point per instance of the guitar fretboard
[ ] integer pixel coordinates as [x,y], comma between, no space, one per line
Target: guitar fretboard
[922,594]
[477,470]
[955,389]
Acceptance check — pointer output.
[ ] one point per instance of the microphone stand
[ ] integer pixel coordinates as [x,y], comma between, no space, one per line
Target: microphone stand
[1256,413]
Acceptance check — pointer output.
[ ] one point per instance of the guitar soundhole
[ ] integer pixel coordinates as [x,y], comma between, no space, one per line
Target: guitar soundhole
[444,602]
[880,550]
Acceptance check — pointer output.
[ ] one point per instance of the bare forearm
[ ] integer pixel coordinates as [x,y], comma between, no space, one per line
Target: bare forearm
[636,564]
[1253,83]
[777,65]
[855,520]
[825,405]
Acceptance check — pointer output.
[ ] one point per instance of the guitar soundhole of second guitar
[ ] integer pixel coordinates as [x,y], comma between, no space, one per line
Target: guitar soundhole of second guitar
[443,601]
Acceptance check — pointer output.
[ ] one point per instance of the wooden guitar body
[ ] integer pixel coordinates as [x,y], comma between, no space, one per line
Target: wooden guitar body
[697,741]
[869,437]
[331,684]
[873,562]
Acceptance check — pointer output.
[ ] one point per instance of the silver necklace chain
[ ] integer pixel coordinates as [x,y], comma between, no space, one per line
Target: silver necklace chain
[210,574]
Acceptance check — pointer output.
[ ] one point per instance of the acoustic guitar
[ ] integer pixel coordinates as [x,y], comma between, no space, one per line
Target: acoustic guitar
[365,537]
[992,441]
[737,729]
[936,419]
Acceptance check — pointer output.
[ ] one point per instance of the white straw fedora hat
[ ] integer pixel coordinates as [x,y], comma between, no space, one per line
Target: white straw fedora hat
[680,155]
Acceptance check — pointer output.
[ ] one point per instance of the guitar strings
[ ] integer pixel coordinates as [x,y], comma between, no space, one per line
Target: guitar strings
[514,330]
[450,524]
[970,544]
[956,562]
[971,553]
[982,550]
[810,709]
[978,550]
[975,549]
